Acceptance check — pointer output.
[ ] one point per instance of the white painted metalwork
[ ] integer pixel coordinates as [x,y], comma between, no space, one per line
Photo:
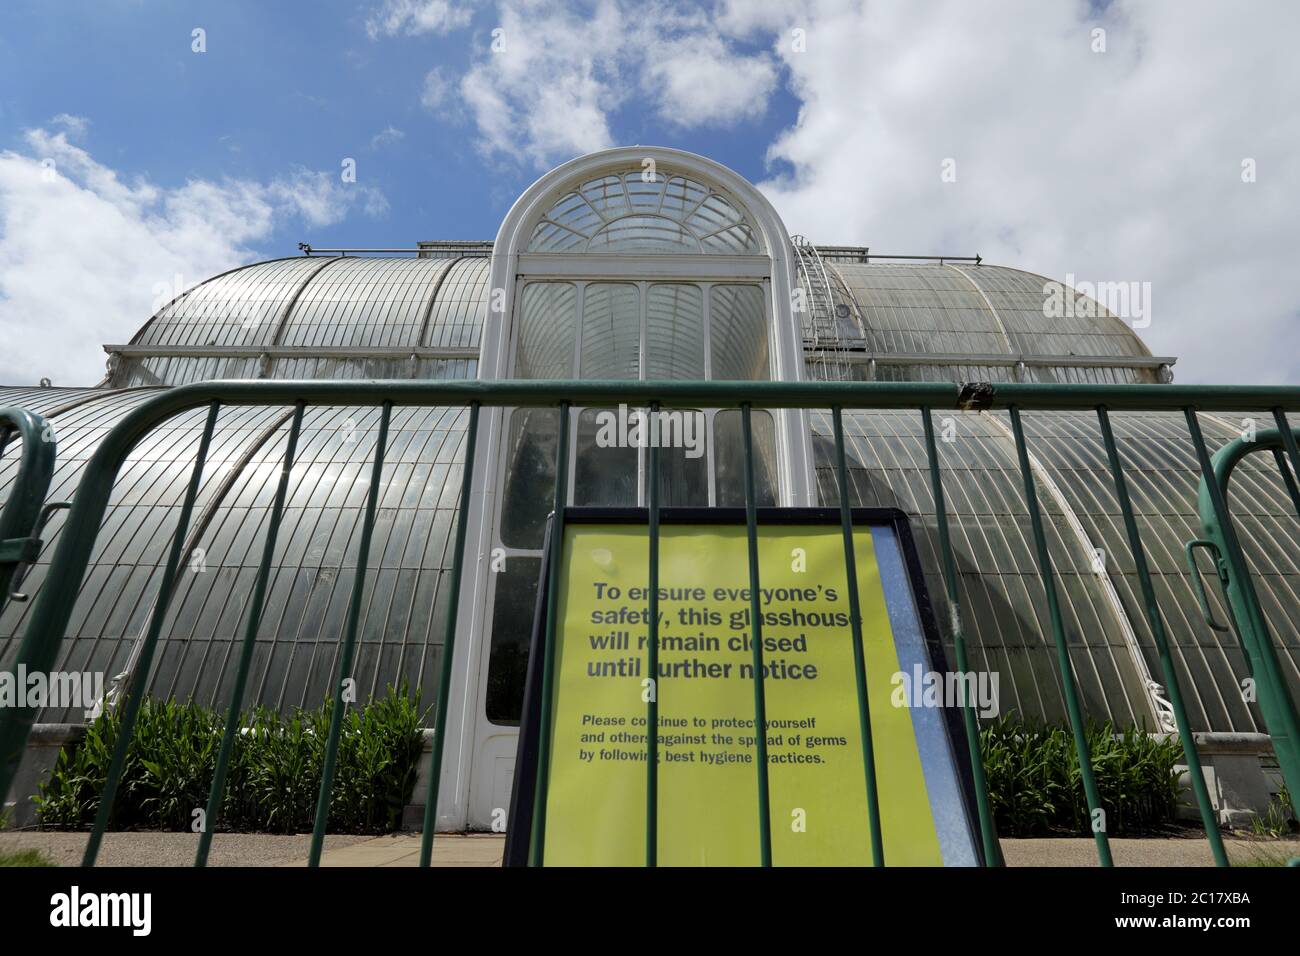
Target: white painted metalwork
[597,218]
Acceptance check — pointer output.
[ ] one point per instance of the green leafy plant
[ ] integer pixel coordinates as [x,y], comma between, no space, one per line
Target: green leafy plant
[275,769]
[1036,789]
[1277,821]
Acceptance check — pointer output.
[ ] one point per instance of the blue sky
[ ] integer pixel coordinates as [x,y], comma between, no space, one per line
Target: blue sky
[286,84]
[1108,141]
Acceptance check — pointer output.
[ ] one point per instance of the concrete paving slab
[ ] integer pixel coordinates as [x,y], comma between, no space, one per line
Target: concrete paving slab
[1171,852]
[172,849]
[403,849]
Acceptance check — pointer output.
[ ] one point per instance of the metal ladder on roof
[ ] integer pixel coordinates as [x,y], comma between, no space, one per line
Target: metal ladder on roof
[819,321]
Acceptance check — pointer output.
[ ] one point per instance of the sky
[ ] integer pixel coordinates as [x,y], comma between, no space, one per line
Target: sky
[145,146]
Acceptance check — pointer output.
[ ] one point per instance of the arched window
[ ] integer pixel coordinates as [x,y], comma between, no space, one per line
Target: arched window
[647,213]
[636,264]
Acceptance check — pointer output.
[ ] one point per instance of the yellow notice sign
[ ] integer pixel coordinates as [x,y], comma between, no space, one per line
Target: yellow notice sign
[708,790]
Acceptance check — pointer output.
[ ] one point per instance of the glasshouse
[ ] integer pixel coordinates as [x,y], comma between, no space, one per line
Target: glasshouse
[653,265]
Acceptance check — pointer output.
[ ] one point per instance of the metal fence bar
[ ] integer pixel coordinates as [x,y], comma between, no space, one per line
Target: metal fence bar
[19,526]
[140,679]
[713,394]
[1183,724]
[756,640]
[859,659]
[250,639]
[338,707]
[548,647]
[652,653]
[1068,689]
[21,515]
[449,643]
[1293,452]
[1274,699]
[983,809]
[1279,456]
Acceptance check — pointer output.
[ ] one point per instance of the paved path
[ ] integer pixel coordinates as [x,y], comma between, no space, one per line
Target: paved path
[172,849]
[403,849]
[485,850]
[1158,852]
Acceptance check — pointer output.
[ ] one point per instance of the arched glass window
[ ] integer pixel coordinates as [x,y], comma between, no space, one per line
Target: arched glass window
[638,212]
[628,277]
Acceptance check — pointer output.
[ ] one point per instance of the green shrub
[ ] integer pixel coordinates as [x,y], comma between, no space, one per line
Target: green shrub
[1277,820]
[1036,789]
[275,769]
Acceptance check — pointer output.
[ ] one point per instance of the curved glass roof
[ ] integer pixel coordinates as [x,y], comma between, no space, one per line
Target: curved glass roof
[953,308]
[241,307]
[367,316]
[944,321]
[339,317]
[363,302]
[317,317]
[335,301]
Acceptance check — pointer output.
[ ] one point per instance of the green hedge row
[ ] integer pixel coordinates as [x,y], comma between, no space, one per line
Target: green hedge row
[275,769]
[1033,773]
[1036,789]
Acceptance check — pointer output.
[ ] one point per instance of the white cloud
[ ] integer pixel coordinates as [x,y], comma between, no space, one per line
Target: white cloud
[75,126]
[83,253]
[544,83]
[696,80]
[322,198]
[438,95]
[388,136]
[1115,166]
[413,17]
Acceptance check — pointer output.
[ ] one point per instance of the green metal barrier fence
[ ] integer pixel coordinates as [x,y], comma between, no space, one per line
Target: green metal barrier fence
[20,519]
[54,606]
[1221,540]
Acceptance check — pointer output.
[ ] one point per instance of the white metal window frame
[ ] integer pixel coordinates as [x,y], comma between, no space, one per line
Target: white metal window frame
[643,287]
[479,745]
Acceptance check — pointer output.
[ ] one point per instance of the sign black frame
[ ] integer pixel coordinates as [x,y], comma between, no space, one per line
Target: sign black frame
[523,788]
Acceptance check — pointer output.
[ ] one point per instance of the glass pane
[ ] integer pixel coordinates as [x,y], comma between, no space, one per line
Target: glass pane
[611,332]
[713,215]
[645,191]
[738,333]
[683,462]
[530,476]
[512,626]
[674,338]
[547,320]
[645,212]
[603,475]
[729,457]
[644,234]
[606,195]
